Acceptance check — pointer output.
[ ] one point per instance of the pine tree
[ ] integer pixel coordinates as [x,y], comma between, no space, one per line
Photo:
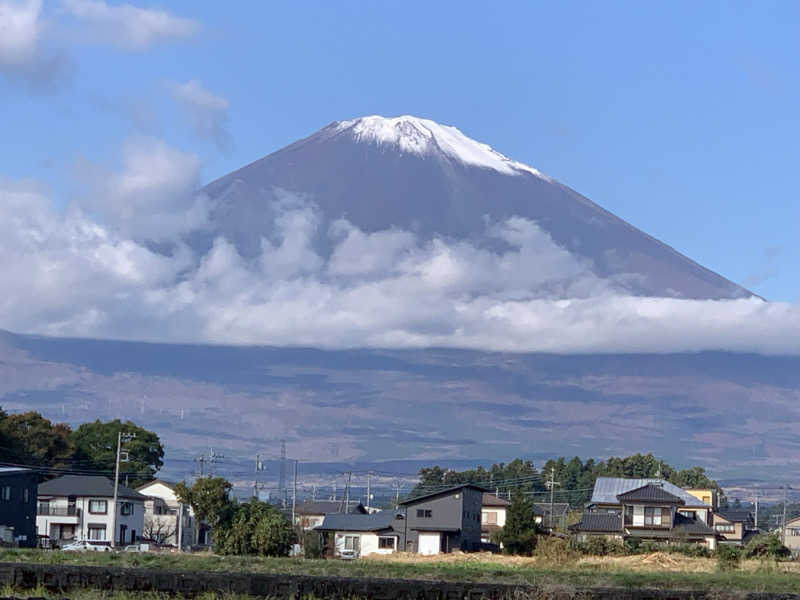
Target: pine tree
[519,532]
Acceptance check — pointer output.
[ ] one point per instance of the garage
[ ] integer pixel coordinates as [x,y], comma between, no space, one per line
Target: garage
[429,543]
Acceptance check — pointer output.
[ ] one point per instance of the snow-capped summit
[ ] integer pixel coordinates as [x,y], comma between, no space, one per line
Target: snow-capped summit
[422,136]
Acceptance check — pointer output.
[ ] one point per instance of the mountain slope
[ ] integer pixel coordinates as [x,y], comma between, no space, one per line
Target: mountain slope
[430,179]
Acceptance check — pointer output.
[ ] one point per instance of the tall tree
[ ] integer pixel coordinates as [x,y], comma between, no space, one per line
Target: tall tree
[255,528]
[519,533]
[208,497]
[30,439]
[97,444]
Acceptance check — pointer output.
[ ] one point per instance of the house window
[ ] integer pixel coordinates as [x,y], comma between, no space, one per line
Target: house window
[97,533]
[126,508]
[350,542]
[26,495]
[424,514]
[98,507]
[628,514]
[652,515]
[725,528]
[5,493]
[386,542]
[490,518]
[794,531]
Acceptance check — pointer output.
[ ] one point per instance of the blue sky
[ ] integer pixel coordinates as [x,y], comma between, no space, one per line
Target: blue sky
[679,117]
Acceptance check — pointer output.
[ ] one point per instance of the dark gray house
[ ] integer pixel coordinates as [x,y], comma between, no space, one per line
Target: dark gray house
[444,521]
[18,497]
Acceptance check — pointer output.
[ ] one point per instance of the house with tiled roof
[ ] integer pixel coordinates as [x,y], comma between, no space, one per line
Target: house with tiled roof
[735,526]
[493,515]
[353,535]
[311,513]
[652,511]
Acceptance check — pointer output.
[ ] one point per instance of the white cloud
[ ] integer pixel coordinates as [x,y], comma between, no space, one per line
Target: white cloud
[21,54]
[207,112]
[66,274]
[127,26]
[153,196]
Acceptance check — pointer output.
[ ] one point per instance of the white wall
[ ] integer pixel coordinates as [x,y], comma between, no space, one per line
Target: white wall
[499,511]
[134,521]
[157,489]
[367,539]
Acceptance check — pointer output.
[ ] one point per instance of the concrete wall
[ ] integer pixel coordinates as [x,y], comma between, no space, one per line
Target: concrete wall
[63,579]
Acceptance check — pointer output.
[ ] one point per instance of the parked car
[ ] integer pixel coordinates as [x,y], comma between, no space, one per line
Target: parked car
[86,547]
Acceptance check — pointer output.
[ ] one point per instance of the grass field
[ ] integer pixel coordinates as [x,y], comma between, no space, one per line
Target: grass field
[666,571]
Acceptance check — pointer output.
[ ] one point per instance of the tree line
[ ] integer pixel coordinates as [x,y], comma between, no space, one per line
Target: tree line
[575,477]
[30,440]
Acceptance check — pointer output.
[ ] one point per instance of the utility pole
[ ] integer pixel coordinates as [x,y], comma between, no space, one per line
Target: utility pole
[756,503]
[783,522]
[201,460]
[552,485]
[116,489]
[282,480]
[369,487]
[294,492]
[347,493]
[128,437]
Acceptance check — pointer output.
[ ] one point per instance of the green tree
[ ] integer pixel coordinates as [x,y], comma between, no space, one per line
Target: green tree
[519,533]
[97,444]
[30,439]
[208,497]
[255,528]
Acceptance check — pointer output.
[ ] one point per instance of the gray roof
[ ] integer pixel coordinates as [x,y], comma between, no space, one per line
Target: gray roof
[691,526]
[650,492]
[543,508]
[734,516]
[327,507]
[599,522]
[377,521]
[606,490]
[86,485]
[9,470]
[492,500]
[444,492]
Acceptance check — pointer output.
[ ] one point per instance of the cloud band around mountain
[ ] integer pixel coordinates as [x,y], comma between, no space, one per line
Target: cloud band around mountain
[70,274]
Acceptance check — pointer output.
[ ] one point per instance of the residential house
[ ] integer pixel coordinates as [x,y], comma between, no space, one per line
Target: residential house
[167,521]
[444,521]
[493,515]
[649,512]
[311,513]
[791,535]
[734,526]
[354,535]
[550,516]
[606,489]
[18,506]
[80,508]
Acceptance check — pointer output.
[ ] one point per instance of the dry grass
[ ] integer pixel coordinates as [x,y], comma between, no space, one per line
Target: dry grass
[656,562]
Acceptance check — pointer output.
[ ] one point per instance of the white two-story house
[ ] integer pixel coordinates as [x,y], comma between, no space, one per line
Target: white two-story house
[76,508]
[167,521]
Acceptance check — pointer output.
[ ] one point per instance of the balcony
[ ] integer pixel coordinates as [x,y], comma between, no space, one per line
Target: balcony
[43,510]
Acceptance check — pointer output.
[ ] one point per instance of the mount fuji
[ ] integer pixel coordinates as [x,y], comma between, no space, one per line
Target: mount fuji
[417,175]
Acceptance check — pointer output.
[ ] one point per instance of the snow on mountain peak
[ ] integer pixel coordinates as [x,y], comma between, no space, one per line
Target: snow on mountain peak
[422,136]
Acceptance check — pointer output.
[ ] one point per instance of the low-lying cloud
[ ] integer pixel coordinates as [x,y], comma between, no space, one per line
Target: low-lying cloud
[70,273]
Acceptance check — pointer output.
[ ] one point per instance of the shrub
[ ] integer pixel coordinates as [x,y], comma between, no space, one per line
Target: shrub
[766,546]
[555,550]
[602,546]
[632,546]
[255,528]
[693,550]
[312,548]
[728,557]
